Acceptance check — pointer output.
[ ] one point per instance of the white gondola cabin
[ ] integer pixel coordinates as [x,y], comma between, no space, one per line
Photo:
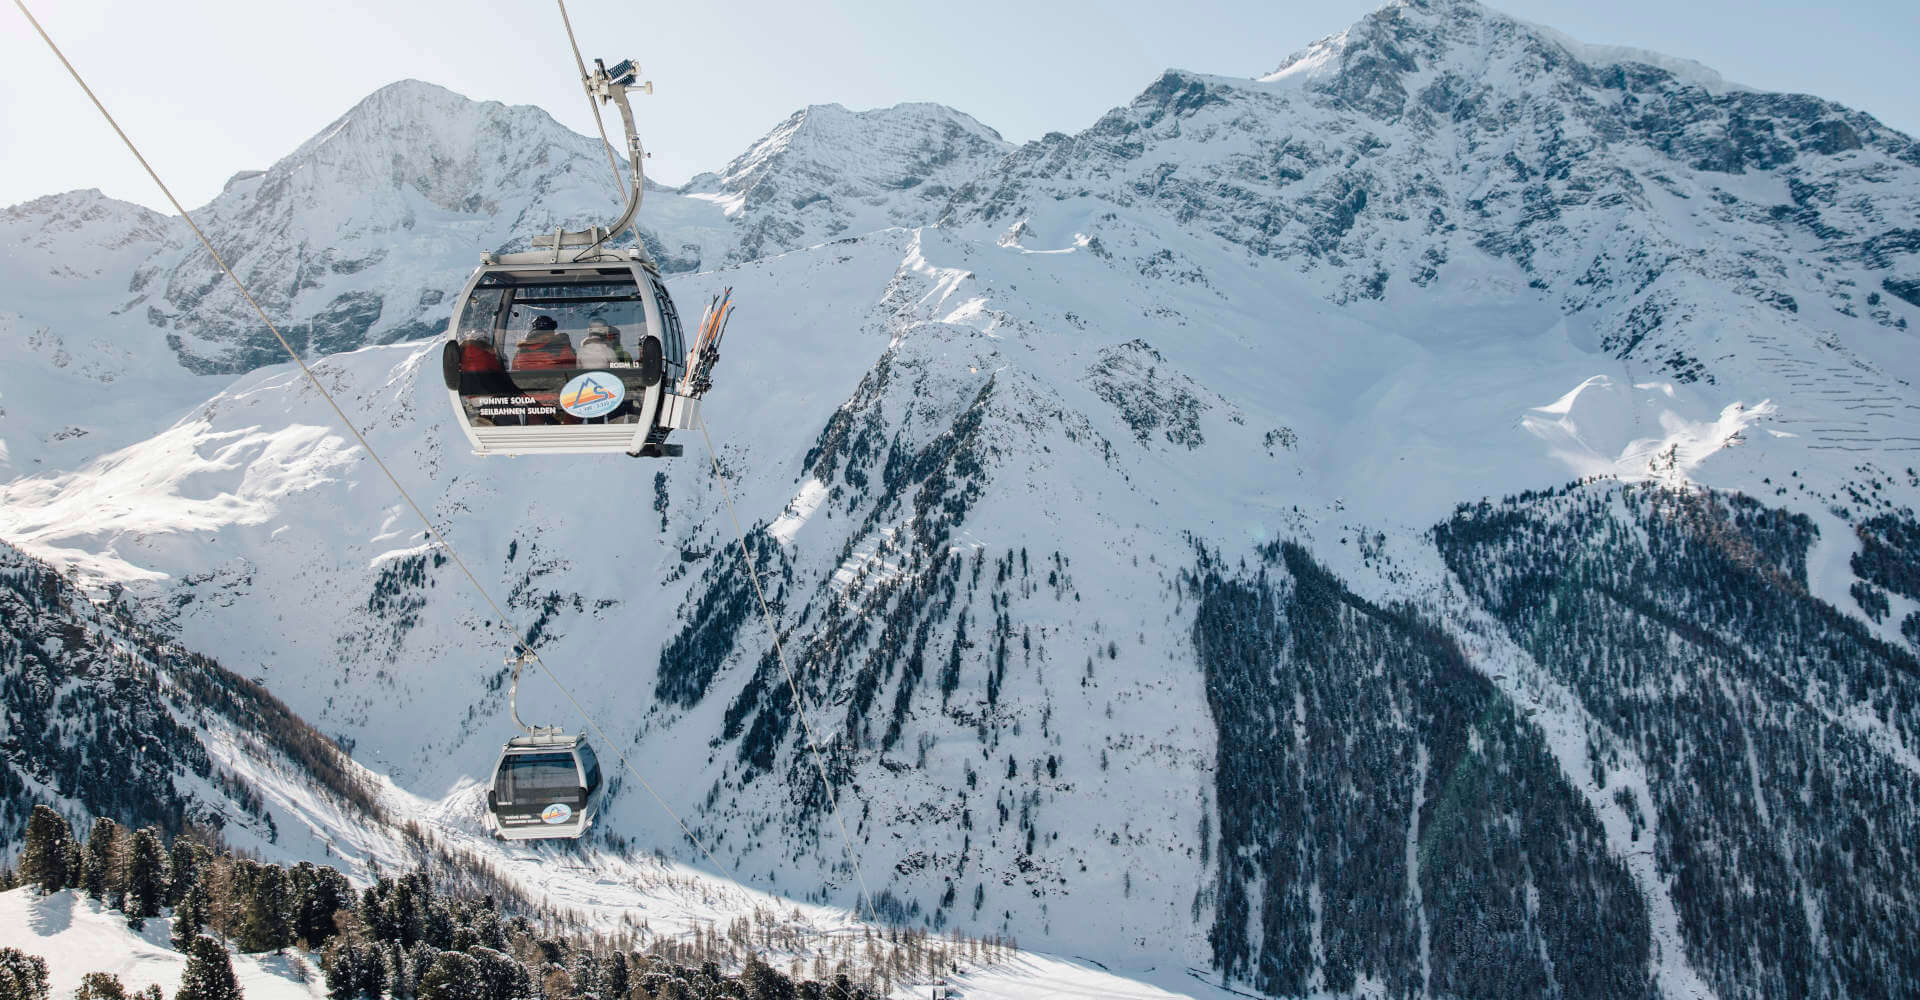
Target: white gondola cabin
[546,786]
[575,347]
[551,355]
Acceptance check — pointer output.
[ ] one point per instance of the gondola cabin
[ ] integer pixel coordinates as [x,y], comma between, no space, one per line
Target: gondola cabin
[547,354]
[546,786]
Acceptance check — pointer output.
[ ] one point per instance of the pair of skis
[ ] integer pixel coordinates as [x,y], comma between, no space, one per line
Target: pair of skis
[705,352]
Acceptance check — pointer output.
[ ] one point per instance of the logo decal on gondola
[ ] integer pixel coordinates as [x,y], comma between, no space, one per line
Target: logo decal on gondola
[556,814]
[594,394]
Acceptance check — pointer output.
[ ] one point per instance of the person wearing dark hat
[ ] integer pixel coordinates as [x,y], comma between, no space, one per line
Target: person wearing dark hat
[544,347]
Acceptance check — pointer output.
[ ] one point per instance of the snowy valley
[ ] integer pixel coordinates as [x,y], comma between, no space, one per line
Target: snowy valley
[1436,519]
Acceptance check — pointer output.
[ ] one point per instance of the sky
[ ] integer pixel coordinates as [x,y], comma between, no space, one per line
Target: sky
[212,87]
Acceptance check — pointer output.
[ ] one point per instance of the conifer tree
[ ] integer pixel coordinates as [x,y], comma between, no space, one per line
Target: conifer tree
[44,857]
[76,857]
[616,979]
[22,976]
[400,972]
[77,866]
[103,876]
[454,976]
[100,986]
[764,982]
[439,924]
[364,968]
[420,958]
[189,917]
[209,973]
[146,878]
[266,922]
[322,892]
[501,978]
[407,908]
[486,927]
[344,961]
[152,992]
[184,861]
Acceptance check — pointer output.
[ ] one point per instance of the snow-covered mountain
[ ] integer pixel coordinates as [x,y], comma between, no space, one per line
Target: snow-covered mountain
[104,718]
[76,375]
[1114,524]
[339,240]
[828,172]
[358,236]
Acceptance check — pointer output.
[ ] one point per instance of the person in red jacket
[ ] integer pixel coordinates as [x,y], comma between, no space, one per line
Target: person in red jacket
[483,380]
[544,347]
[476,356]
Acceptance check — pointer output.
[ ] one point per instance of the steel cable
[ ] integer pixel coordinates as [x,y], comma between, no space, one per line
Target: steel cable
[780,652]
[746,558]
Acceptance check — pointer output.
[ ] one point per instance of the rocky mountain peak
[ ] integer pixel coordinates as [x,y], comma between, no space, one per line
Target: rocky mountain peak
[48,218]
[827,171]
[1386,59]
[314,235]
[1435,135]
[827,131]
[77,242]
[419,136]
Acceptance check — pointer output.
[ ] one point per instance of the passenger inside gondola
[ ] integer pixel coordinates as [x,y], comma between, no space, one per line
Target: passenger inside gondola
[482,375]
[601,348]
[544,346]
[520,343]
[476,353]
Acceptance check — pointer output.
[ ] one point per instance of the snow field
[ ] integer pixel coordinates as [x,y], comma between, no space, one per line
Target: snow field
[78,935]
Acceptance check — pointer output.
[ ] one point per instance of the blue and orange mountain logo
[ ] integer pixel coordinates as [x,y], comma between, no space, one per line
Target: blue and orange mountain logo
[594,394]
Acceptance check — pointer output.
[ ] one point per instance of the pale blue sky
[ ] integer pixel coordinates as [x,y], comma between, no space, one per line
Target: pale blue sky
[210,88]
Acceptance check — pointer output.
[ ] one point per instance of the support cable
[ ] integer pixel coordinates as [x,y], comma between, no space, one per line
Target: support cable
[441,539]
[753,573]
[793,686]
[613,162]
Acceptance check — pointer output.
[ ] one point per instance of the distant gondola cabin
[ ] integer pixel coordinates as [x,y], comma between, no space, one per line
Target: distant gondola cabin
[545,786]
